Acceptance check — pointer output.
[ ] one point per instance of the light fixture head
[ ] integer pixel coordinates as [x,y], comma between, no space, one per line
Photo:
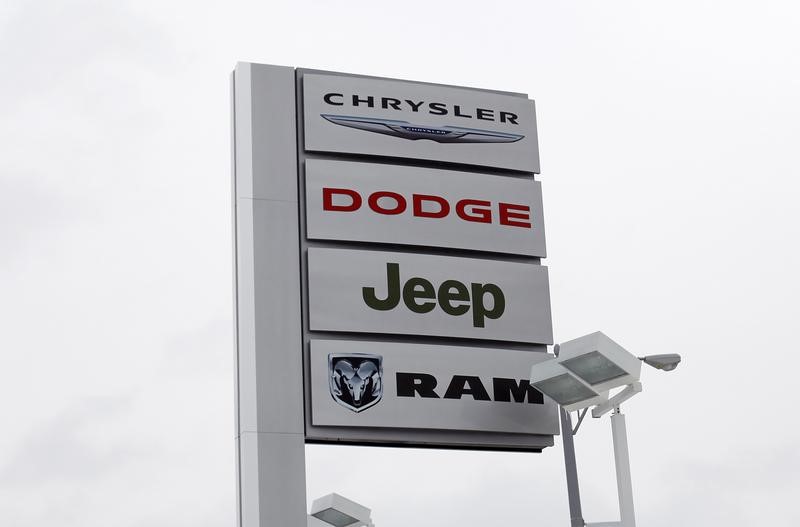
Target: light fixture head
[599,362]
[562,386]
[665,362]
[338,511]
[584,371]
[336,518]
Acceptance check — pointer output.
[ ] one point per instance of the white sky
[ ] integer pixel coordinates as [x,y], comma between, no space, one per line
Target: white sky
[669,136]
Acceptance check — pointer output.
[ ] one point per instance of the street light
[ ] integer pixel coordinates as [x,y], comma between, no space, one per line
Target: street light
[580,376]
[338,511]
[584,371]
[557,382]
[666,362]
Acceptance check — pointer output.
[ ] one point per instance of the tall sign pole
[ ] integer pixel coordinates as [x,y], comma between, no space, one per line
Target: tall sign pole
[270,428]
[389,285]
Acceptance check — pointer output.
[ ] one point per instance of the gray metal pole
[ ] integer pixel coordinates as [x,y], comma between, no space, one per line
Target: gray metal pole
[270,424]
[573,492]
[623,468]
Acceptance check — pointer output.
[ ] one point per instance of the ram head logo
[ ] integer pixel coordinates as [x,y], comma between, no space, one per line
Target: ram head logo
[355,379]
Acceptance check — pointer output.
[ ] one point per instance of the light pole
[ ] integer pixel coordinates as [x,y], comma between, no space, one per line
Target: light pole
[337,511]
[580,376]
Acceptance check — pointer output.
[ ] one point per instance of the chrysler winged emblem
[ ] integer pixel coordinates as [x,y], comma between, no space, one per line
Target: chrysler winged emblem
[406,130]
[355,379]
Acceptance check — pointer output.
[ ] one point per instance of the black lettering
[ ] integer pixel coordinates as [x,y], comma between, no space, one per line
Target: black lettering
[370,100]
[483,113]
[437,108]
[415,105]
[508,117]
[328,98]
[387,102]
[392,290]
[466,385]
[420,383]
[457,112]
[506,389]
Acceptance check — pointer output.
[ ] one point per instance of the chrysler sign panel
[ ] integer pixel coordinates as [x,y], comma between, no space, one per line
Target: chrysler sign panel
[417,294]
[358,115]
[423,206]
[421,386]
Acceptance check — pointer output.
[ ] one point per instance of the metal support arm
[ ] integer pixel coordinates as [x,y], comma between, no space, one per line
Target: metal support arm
[623,469]
[573,492]
[614,402]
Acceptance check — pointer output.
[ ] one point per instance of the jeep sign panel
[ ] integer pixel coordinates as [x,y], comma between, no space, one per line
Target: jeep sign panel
[423,206]
[417,294]
[397,385]
[358,115]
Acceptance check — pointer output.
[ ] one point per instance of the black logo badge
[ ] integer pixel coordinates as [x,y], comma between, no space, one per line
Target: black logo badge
[406,130]
[355,379]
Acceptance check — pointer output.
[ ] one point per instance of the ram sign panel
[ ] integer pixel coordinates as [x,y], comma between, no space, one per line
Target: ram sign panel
[358,115]
[423,206]
[420,386]
[418,294]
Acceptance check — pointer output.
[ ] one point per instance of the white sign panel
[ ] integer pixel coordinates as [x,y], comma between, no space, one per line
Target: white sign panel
[422,206]
[418,386]
[418,294]
[358,115]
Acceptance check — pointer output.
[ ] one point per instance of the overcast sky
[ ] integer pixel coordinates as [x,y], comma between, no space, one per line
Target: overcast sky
[669,138]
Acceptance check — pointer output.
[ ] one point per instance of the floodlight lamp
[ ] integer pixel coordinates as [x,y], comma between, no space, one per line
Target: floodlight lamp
[562,386]
[564,389]
[665,362]
[599,362]
[335,517]
[594,368]
[338,511]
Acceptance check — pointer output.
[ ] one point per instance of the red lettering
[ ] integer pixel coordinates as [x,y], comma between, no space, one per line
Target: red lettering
[474,213]
[510,214]
[419,199]
[327,199]
[426,206]
[375,205]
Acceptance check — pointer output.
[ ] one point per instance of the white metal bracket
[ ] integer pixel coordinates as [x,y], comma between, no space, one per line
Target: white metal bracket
[621,397]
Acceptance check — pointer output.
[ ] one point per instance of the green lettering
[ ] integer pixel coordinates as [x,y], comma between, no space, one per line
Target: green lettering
[447,297]
[479,311]
[411,294]
[392,290]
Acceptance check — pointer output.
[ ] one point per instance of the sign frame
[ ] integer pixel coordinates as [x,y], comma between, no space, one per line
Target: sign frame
[387,437]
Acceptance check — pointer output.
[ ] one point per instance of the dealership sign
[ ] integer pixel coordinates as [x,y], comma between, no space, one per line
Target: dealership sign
[389,280]
[418,386]
[384,203]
